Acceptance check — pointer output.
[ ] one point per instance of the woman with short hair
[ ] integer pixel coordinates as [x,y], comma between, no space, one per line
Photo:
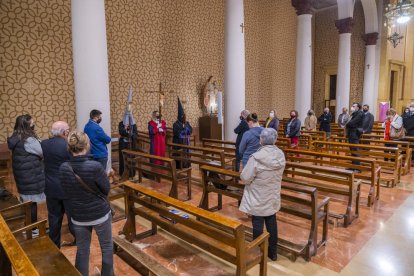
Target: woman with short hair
[250,142]
[262,177]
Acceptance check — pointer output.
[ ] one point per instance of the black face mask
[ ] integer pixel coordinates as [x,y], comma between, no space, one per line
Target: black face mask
[158,117]
[309,114]
[32,127]
[365,110]
[241,118]
[99,121]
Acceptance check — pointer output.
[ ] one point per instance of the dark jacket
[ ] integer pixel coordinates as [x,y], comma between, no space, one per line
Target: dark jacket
[368,122]
[274,123]
[250,143]
[325,122]
[240,130]
[354,126]
[98,138]
[294,130]
[27,168]
[124,136]
[83,205]
[408,122]
[55,152]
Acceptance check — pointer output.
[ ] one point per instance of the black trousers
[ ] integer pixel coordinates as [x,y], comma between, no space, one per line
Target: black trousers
[354,149]
[271,227]
[56,209]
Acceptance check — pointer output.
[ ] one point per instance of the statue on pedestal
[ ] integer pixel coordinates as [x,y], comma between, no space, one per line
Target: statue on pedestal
[210,97]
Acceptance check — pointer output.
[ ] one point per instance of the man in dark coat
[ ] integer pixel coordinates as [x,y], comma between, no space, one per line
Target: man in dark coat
[325,122]
[408,123]
[55,153]
[182,131]
[354,127]
[368,121]
[240,130]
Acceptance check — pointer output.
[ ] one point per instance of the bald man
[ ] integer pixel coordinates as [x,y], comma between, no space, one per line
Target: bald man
[55,152]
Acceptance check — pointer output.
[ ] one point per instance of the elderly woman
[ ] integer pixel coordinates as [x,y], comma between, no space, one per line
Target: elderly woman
[393,126]
[311,121]
[262,177]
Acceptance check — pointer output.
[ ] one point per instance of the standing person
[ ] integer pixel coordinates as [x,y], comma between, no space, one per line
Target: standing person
[262,177]
[311,121]
[343,118]
[182,131]
[157,130]
[406,112]
[325,122]
[272,121]
[250,142]
[392,125]
[27,163]
[240,130]
[55,153]
[127,136]
[99,139]
[368,121]
[86,185]
[408,123]
[354,127]
[292,129]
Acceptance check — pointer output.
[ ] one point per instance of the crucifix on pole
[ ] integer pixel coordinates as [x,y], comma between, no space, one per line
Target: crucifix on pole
[161,96]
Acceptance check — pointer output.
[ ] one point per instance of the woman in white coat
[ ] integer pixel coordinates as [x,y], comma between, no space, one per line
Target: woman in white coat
[262,177]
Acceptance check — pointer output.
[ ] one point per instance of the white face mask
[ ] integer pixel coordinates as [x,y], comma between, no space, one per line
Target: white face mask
[352,109]
[412,109]
[271,115]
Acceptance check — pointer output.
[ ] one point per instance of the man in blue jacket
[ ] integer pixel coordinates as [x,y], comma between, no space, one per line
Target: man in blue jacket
[55,152]
[98,138]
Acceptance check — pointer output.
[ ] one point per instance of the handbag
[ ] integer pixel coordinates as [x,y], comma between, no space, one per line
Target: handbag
[89,189]
[397,133]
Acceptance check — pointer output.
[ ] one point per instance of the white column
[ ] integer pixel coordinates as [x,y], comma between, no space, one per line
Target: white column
[344,64]
[234,67]
[369,77]
[90,62]
[303,85]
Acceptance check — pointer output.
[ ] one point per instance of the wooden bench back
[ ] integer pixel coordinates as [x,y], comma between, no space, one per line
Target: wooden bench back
[315,134]
[229,147]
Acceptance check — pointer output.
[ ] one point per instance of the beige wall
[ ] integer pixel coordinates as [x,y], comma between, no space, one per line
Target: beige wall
[270,56]
[326,54]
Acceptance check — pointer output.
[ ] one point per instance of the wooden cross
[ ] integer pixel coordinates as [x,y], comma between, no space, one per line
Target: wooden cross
[161,96]
[242,27]
[368,66]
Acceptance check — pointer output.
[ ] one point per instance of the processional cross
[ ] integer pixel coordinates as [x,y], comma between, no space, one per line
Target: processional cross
[161,96]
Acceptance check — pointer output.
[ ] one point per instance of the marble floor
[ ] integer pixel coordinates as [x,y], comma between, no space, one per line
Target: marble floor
[379,242]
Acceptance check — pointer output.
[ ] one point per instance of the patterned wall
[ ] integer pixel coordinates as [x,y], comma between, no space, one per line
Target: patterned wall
[326,53]
[36,75]
[178,43]
[270,56]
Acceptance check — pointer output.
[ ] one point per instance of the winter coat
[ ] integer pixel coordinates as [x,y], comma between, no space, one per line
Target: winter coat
[262,177]
[310,122]
[294,129]
[325,122]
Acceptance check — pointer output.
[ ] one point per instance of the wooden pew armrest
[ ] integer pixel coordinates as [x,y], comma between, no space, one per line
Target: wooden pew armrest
[20,205]
[40,224]
[323,202]
[258,241]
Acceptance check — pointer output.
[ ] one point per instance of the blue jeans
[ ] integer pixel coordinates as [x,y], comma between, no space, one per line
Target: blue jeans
[103,161]
[56,208]
[83,242]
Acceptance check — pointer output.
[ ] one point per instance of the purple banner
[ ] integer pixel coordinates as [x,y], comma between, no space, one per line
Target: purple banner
[383,108]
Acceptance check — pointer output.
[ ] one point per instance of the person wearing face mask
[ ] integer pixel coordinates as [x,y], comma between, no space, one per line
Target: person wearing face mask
[311,121]
[98,138]
[392,125]
[408,121]
[292,129]
[27,163]
[157,130]
[343,118]
[406,112]
[240,130]
[262,177]
[250,142]
[182,131]
[325,122]
[272,121]
[354,127]
[368,121]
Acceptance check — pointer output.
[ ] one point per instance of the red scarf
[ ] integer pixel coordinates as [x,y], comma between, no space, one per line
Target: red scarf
[387,130]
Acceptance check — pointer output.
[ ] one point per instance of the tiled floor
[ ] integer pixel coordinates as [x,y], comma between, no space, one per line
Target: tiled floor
[380,242]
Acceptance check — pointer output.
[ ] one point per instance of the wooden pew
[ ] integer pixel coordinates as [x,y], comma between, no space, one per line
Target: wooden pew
[406,151]
[38,256]
[369,169]
[332,181]
[305,141]
[141,162]
[216,234]
[297,200]
[390,159]
[229,147]
[168,137]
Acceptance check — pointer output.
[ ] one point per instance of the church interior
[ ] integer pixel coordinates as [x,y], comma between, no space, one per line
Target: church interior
[171,81]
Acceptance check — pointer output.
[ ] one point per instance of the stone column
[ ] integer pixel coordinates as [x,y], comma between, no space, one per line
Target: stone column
[234,67]
[369,95]
[344,63]
[90,62]
[303,83]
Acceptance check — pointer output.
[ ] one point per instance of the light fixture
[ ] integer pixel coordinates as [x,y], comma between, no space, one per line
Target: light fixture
[397,14]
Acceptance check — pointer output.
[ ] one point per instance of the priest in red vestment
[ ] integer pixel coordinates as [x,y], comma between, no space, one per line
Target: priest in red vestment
[157,130]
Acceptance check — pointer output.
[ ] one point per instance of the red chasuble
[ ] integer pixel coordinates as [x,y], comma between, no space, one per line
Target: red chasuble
[157,138]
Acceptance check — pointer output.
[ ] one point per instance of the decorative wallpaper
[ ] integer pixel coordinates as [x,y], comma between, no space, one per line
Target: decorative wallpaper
[326,48]
[270,56]
[178,43]
[36,74]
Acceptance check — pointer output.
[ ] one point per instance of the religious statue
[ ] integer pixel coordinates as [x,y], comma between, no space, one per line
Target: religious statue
[210,96]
